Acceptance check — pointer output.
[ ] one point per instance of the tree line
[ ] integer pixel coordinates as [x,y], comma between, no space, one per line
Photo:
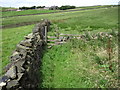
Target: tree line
[33,7]
[38,7]
[66,7]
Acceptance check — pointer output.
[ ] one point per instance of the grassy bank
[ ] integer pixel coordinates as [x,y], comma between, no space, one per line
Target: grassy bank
[81,64]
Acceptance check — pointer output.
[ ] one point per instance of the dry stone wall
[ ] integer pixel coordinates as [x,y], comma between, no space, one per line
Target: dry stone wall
[22,72]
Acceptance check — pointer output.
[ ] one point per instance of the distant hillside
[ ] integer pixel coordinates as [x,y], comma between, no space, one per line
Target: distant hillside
[6,8]
[98,6]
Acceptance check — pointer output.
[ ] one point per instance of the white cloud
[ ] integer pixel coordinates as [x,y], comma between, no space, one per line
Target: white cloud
[20,3]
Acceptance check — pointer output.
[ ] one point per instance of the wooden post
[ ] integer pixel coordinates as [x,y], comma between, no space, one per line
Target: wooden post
[57,34]
[46,34]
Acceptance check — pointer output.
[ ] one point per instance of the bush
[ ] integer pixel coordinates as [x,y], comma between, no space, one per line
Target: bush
[40,6]
[66,7]
[26,8]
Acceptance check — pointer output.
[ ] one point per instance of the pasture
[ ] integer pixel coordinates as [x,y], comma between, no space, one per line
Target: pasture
[26,12]
[41,11]
[76,63]
[97,18]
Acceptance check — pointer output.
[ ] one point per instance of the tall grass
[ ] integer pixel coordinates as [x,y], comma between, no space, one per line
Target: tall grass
[81,64]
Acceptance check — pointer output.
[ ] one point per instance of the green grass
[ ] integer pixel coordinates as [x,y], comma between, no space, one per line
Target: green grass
[77,64]
[10,38]
[26,12]
[102,6]
[5,8]
[0,52]
[98,18]
[80,64]
[70,22]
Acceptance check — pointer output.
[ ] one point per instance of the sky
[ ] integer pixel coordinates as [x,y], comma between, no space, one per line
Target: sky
[20,3]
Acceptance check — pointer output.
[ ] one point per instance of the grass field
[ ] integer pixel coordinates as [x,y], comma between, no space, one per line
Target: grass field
[10,38]
[70,18]
[78,67]
[103,6]
[5,8]
[80,64]
[26,12]
[30,12]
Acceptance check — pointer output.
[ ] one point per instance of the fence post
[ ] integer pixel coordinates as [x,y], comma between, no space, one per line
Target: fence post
[57,32]
[46,34]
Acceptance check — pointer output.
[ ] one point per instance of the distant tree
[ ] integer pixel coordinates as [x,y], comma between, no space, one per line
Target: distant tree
[22,8]
[43,6]
[67,7]
[33,7]
[40,6]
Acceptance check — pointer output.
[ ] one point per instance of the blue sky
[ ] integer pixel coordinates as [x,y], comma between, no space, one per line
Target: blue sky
[20,3]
